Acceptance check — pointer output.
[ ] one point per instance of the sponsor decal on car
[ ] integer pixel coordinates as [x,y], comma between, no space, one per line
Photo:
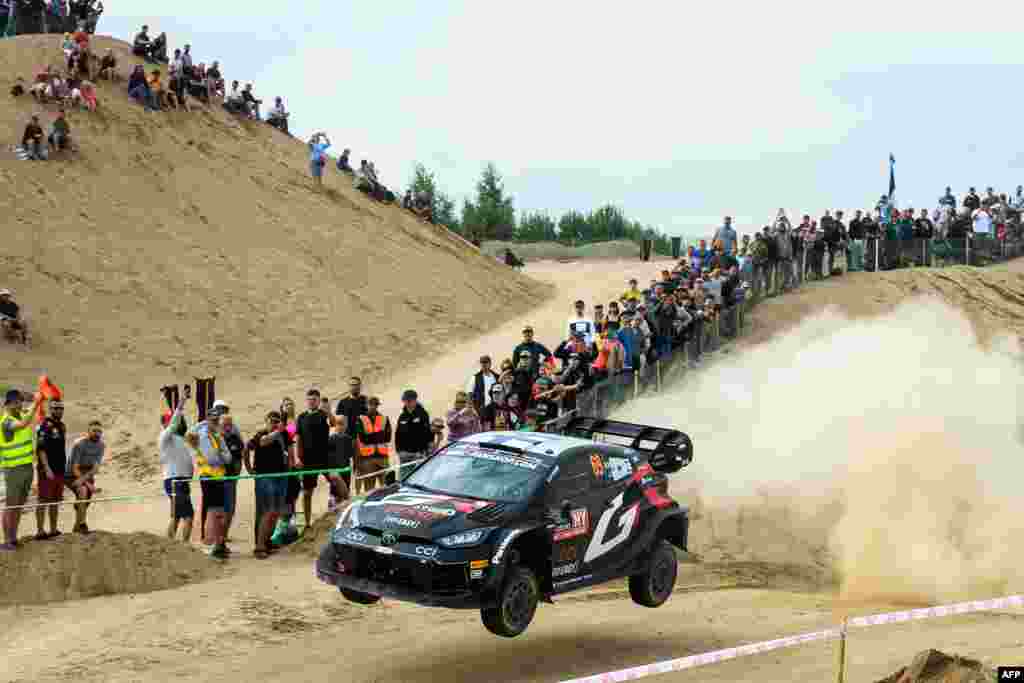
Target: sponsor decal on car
[574,580]
[356,536]
[476,574]
[599,545]
[579,524]
[478,564]
[506,459]
[402,521]
[426,550]
[565,569]
[567,552]
[597,465]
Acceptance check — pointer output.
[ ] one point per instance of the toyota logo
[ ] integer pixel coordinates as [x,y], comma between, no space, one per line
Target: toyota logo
[389,538]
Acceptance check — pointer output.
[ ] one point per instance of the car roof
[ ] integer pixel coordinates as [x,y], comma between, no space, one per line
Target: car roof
[537,444]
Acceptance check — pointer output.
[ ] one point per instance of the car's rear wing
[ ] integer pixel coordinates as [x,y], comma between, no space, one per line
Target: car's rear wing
[668,450]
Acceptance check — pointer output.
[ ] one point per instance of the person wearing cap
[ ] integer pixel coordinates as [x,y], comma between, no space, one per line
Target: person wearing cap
[17,460]
[479,385]
[581,323]
[51,463]
[373,451]
[413,437]
[11,321]
[495,416]
[236,447]
[212,456]
[176,458]
[353,406]
[83,465]
[312,443]
[532,349]
[142,44]
[463,419]
[576,343]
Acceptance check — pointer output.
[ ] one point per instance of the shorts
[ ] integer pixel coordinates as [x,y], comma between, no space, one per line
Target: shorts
[316,168]
[88,484]
[213,494]
[51,490]
[230,495]
[292,490]
[182,497]
[271,494]
[370,465]
[18,481]
[309,480]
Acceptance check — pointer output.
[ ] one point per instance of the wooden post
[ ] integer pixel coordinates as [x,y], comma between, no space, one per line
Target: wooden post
[842,653]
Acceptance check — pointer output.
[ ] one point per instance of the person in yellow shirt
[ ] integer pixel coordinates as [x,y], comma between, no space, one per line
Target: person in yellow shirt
[212,457]
[633,293]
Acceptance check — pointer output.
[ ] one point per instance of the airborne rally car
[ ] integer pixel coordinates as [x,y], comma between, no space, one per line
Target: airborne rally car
[500,520]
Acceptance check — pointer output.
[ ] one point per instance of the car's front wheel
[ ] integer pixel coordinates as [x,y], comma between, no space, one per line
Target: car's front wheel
[517,603]
[653,586]
[359,598]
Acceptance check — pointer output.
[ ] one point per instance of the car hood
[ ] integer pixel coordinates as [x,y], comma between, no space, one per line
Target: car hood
[412,512]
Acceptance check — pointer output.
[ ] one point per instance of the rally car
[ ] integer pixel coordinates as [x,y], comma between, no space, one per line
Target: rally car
[501,520]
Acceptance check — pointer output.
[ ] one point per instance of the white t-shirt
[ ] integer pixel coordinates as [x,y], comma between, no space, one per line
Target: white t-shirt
[584,325]
[982,222]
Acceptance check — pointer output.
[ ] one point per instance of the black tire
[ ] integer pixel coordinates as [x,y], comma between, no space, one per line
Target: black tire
[653,586]
[359,598]
[517,603]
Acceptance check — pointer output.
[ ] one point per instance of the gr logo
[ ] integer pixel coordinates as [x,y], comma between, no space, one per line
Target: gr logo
[1010,673]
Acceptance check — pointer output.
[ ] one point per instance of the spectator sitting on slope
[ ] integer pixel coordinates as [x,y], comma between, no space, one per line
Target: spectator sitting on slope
[32,140]
[12,323]
[343,164]
[252,105]
[278,116]
[158,51]
[234,102]
[60,133]
[214,81]
[142,45]
[108,66]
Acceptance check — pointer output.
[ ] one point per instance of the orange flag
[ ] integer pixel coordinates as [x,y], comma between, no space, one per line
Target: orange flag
[50,392]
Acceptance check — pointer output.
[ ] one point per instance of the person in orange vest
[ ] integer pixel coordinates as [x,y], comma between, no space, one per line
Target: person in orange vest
[373,447]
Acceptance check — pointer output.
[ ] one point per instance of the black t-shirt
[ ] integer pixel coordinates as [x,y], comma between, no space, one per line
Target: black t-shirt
[313,429]
[269,459]
[498,419]
[51,439]
[9,309]
[233,440]
[340,450]
[351,408]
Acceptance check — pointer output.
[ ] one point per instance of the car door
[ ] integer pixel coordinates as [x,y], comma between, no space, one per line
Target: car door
[615,509]
[568,501]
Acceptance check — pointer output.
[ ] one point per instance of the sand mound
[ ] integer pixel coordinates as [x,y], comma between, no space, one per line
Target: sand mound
[314,539]
[72,566]
[932,666]
[194,244]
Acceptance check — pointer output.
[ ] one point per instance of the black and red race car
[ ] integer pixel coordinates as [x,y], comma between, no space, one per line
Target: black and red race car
[501,520]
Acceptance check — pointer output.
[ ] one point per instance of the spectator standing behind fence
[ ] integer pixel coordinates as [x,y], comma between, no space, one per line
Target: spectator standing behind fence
[83,465]
[463,419]
[536,351]
[176,458]
[212,456]
[313,432]
[726,235]
[413,437]
[340,449]
[581,323]
[373,450]
[51,464]
[479,385]
[17,459]
[236,447]
[856,236]
[269,452]
[351,407]
[495,417]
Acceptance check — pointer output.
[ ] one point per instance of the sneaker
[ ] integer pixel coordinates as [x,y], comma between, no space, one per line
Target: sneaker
[218,552]
[8,547]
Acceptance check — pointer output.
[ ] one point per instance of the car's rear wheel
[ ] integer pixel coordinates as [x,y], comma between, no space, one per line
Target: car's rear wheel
[653,586]
[517,603]
[359,598]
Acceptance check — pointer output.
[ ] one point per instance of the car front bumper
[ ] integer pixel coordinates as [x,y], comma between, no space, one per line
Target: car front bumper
[333,570]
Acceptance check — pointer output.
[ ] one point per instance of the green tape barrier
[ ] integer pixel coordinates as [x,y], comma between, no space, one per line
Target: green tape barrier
[295,473]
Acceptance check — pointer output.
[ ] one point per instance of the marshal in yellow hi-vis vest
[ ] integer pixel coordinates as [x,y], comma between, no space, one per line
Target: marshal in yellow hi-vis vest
[18,449]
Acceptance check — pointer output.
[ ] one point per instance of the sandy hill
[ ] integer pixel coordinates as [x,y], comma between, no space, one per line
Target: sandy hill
[181,244]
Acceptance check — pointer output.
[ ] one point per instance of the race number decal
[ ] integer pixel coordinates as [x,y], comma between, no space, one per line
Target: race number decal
[598,546]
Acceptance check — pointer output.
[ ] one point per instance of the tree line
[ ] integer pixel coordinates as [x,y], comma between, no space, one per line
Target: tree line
[491,215]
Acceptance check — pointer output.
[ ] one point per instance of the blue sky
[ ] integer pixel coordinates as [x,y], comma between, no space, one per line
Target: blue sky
[679,113]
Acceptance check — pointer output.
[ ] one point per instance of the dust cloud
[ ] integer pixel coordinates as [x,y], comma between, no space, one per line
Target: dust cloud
[886,450]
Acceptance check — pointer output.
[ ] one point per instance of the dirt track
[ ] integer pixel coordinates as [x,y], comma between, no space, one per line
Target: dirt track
[273,620]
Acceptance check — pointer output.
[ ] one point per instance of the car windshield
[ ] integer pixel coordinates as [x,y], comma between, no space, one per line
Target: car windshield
[475,472]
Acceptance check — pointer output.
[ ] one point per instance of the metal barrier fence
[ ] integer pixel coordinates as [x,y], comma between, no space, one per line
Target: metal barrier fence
[708,336]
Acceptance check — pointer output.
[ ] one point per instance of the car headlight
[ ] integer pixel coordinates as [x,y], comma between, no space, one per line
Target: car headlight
[349,518]
[465,538]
